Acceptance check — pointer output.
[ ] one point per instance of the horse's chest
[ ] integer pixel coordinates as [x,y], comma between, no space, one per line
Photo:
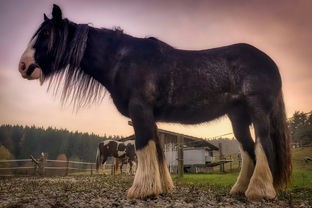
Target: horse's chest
[121,104]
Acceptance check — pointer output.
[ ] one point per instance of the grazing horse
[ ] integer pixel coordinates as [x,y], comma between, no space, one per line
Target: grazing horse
[124,151]
[151,81]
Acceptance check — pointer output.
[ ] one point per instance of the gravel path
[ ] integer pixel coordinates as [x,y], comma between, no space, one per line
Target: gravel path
[109,191]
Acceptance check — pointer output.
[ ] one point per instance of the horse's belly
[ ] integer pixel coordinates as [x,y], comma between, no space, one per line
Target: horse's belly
[191,114]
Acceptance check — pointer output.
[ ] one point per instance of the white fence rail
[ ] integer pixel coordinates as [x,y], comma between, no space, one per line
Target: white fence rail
[64,167]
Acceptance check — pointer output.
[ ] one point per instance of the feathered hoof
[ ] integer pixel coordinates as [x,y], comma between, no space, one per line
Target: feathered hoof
[256,194]
[140,192]
[167,187]
[166,182]
[237,190]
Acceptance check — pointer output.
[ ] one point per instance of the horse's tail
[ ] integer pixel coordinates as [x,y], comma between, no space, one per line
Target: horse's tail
[98,159]
[281,143]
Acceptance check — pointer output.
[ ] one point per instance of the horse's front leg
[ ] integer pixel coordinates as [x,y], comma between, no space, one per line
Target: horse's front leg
[147,180]
[121,164]
[130,165]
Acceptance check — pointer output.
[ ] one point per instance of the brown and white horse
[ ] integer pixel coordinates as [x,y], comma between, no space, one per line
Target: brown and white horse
[124,152]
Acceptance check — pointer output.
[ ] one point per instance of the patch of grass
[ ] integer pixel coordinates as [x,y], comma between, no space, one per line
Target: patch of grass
[302,171]
[298,156]
[225,179]
[301,178]
[220,184]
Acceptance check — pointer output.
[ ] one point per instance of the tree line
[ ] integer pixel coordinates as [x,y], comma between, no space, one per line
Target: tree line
[300,128]
[18,142]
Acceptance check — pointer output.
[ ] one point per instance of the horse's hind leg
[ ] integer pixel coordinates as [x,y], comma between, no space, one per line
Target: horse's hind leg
[240,122]
[147,178]
[261,182]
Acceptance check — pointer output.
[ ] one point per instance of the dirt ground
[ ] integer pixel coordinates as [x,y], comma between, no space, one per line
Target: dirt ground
[110,191]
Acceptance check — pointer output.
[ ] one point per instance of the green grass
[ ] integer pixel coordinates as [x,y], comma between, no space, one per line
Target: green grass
[298,156]
[302,171]
[225,179]
[301,177]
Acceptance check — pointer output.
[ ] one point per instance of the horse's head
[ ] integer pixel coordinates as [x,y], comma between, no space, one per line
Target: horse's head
[40,57]
[56,51]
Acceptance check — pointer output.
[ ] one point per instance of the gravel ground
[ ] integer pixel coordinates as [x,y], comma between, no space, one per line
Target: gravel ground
[109,191]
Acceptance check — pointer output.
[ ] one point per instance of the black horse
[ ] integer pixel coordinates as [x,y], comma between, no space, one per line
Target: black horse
[151,81]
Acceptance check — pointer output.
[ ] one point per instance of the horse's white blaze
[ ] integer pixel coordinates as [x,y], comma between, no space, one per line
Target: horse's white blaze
[245,174]
[261,182]
[147,178]
[28,58]
[29,53]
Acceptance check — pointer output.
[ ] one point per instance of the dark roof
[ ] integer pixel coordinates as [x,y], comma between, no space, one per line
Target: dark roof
[189,141]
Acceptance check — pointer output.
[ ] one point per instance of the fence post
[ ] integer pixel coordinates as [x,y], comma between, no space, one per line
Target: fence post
[162,140]
[221,158]
[180,156]
[67,167]
[231,163]
[91,170]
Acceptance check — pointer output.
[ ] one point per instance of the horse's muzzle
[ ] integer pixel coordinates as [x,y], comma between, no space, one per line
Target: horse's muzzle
[33,71]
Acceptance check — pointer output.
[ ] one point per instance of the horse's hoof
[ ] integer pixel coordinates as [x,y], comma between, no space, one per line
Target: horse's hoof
[259,194]
[136,192]
[238,190]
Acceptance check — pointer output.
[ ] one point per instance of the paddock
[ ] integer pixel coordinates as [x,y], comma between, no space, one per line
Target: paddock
[108,191]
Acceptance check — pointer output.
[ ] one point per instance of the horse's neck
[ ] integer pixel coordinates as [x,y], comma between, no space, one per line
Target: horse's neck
[100,51]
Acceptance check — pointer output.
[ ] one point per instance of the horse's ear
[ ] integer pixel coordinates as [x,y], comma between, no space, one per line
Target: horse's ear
[56,13]
[45,17]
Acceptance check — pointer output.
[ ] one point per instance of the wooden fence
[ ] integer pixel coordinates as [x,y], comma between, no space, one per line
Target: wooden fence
[46,167]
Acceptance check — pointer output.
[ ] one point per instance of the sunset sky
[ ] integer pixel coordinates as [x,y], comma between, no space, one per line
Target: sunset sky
[280,28]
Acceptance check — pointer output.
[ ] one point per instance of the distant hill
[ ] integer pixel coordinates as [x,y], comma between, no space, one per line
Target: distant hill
[22,142]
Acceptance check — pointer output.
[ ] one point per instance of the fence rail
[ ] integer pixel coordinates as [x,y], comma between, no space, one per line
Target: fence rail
[73,162]
[43,166]
[21,160]
[13,168]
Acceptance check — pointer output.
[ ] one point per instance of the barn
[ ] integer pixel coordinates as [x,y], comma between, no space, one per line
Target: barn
[197,153]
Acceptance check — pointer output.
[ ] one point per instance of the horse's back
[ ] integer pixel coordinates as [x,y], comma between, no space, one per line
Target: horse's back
[230,68]
[204,85]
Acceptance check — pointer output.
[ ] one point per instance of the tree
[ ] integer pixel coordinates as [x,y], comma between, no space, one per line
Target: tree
[22,142]
[300,127]
[5,154]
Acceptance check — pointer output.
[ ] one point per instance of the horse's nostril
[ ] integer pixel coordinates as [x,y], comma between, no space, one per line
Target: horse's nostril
[22,66]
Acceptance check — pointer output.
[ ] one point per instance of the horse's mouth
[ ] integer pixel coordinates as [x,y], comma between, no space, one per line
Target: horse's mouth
[33,71]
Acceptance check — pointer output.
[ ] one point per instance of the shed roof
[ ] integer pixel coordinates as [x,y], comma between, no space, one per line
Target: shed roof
[189,141]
